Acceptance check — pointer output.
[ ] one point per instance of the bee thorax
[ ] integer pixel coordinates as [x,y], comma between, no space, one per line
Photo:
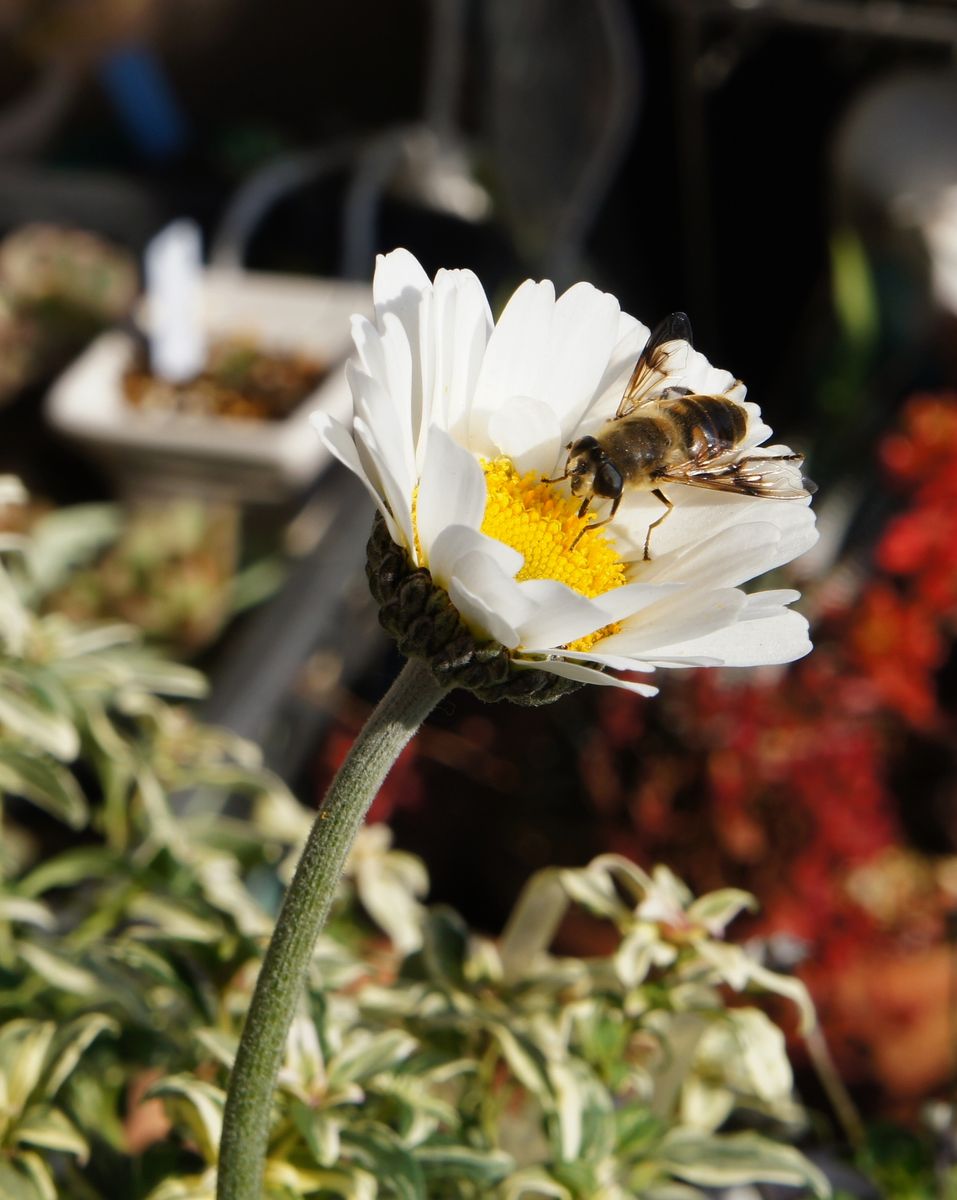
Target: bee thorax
[637,447]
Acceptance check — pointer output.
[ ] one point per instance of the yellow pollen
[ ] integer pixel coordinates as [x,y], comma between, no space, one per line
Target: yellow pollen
[541,523]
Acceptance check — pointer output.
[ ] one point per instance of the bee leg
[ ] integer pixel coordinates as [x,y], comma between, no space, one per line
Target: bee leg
[559,478]
[659,495]
[596,524]
[771,458]
[583,508]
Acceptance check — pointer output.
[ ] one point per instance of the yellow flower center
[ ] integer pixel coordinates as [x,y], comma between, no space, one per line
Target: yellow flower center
[541,523]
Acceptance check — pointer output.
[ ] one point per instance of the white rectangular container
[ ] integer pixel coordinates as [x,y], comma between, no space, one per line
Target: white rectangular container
[218,457]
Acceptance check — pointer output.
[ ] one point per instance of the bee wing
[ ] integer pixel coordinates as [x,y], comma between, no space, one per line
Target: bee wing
[777,477]
[664,355]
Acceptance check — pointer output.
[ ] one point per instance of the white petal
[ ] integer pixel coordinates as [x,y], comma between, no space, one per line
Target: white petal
[488,599]
[691,613]
[397,284]
[402,295]
[777,638]
[462,324]
[691,369]
[570,670]
[565,615]
[629,328]
[387,433]
[396,496]
[455,541]
[451,490]
[368,346]
[339,443]
[685,662]
[626,601]
[368,466]
[423,378]
[632,336]
[558,614]
[514,359]
[528,432]
[699,514]
[736,553]
[758,602]
[399,354]
[615,662]
[583,333]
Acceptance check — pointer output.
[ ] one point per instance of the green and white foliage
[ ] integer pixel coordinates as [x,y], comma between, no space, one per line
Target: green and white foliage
[466,1067]
[95,698]
[426,1062]
[36,1059]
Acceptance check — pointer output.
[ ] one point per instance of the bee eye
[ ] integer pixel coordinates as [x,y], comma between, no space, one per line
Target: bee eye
[608,480]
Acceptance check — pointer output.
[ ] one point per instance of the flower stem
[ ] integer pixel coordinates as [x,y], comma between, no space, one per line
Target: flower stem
[246,1119]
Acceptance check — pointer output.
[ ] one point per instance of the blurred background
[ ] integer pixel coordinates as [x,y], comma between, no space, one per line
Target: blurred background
[785,171]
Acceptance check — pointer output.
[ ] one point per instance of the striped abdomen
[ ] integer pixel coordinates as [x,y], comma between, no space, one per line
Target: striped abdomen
[671,432]
[706,425]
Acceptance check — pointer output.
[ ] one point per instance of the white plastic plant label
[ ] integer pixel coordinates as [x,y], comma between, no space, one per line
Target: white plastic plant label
[173,265]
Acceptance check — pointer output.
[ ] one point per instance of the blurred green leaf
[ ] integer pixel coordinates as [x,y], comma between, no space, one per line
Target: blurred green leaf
[202,1104]
[69,869]
[23,1052]
[26,1180]
[58,971]
[71,1043]
[28,713]
[319,1131]
[47,784]
[484,1168]
[445,948]
[349,1184]
[365,1055]
[26,912]
[46,1128]
[722,1161]
[66,538]
[384,1156]
[718,909]
[534,1184]
[189,1187]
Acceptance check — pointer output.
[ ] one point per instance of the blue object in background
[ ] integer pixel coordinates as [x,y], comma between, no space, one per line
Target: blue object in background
[144,102]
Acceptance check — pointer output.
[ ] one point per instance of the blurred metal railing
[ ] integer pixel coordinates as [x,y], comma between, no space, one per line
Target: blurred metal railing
[558,98]
[321,626]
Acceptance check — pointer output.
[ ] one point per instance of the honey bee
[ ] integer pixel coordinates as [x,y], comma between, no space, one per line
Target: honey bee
[665,434]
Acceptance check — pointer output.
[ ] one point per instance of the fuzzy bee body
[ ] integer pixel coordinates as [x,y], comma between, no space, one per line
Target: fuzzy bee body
[668,434]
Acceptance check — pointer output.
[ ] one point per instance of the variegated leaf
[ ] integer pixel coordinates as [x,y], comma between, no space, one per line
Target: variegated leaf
[47,1128]
[723,1160]
[23,1055]
[365,1055]
[203,1105]
[70,1044]
[47,784]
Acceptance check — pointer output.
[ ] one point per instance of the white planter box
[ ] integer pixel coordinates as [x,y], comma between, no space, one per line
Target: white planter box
[216,456]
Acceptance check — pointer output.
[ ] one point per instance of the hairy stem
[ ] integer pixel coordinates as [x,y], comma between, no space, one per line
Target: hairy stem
[246,1119]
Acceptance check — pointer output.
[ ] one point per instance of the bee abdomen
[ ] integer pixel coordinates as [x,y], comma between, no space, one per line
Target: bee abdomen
[709,424]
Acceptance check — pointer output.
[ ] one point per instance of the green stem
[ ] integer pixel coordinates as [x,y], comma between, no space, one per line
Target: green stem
[246,1119]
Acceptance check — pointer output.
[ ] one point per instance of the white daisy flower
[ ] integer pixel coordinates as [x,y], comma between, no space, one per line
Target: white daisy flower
[459,423]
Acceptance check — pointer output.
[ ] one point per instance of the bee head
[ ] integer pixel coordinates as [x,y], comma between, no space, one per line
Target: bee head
[584,459]
[590,471]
